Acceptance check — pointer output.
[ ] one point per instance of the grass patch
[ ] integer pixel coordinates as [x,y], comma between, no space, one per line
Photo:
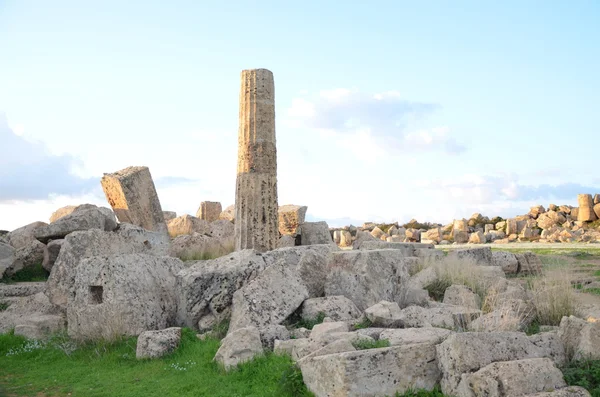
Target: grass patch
[585,374]
[594,291]
[553,296]
[533,328]
[296,321]
[370,344]
[365,323]
[34,273]
[3,306]
[438,288]
[207,254]
[111,369]
[597,273]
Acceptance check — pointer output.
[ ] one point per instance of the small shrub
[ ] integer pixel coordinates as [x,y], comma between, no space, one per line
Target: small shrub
[3,306]
[422,393]
[451,270]
[220,329]
[311,322]
[585,374]
[292,383]
[34,273]
[438,288]
[365,323]
[367,344]
[533,328]
[553,296]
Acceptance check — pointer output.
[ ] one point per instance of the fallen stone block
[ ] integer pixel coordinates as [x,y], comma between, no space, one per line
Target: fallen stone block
[154,344]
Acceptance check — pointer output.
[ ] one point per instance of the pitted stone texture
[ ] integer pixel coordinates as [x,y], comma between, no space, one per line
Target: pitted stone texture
[409,336]
[228,214]
[23,236]
[271,333]
[512,378]
[407,249]
[571,391]
[385,314]
[461,295]
[338,308]
[286,241]
[222,229]
[86,244]
[51,253]
[168,215]
[443,315]
[551,345]
[291,217]
[209,211]
[154,344]
[187,224]
[256,217]
[40,326]
[122,295]
[506,260]
[23,308]
[269,298]
[481,256]
[27,256]
[529,264]
[581,339]
[132,195]
[239,346]
[206,288]
[367,277]
[78,220]
[467,352]
[21,289]
[312,233]
[372,372]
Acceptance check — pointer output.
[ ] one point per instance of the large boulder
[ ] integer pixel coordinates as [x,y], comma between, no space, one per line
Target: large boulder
[512,378]
[187,224]
[51,253]
[86,244]
[529,263]
[367,277]
[228,214]
[372,372]
[154,344]
[385,314]
[409,336]
[122,295]
[315,233]
[23,236]
[291,217]
[362,237]
[78,220]
[30,311]
[27,256]
[239,346]
[581,339]
[505,260]
[222,229]
[461,295]
[40,326]
[269,298]
[338,308]
[206,288]
[209,211]
[550,219]
[467,352]
[481,256]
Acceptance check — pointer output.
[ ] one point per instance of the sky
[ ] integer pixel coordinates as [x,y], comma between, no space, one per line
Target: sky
[385,110]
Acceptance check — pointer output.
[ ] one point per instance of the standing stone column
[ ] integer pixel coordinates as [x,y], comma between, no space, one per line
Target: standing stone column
[256,217]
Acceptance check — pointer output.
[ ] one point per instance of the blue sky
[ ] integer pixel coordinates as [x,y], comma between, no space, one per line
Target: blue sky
[385,111]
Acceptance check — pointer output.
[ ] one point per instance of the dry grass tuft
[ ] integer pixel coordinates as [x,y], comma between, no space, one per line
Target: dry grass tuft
[553,296]
[452,270]
[208,253]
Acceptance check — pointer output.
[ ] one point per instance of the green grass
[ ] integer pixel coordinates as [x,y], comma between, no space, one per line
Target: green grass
[594,291]
[34,273]
[61,368]
[365,323]
[597,273]
[295,321]
[3,306]
[438,288]
[585,374]
[368,344]
[533,328]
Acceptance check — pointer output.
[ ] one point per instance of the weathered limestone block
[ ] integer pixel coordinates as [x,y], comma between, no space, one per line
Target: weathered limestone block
[28,256]
[205,289]
[286,241]
[551,218]
[20,289]
[312,233]
[269,298]
[40,326]
[467,352]
[580,338]
[187,224]
[239,346]
[586,208]
[529,263]
[23,236]
[86,244]
[154,344]
[571,391]
[122,295]
[461,295]
[271,333]
[256,217]
[132,195]
[228,214]
[168,215]
[477,238]
[481,256]
[506,260]
[21,310]
[372,372]
[512,378]
[209,211]
[367,277]
[338,308]
[377,233]
[80,219]
[194,246]
[291,217]
[345,238]
[551,345]
[434,234]
[51,253]
[408,336]
[442,315]
[385,314]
